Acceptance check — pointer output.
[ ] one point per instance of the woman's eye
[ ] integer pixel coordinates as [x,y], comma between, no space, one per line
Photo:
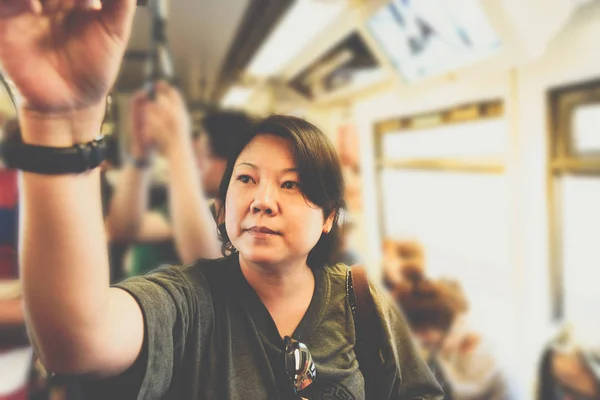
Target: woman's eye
[290,185]
[244,179]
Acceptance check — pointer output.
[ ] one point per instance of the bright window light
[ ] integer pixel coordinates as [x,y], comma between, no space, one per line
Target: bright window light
[585,129]
[580,230]
[301,25]
[236,97]
[475,139]
[423,38]
[462,220]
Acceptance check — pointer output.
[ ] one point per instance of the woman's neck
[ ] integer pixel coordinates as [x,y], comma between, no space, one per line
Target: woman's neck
[286,291]
[279,283]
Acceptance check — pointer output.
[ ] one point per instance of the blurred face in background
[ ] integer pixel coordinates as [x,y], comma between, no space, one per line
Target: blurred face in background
[429,339]
[211,167]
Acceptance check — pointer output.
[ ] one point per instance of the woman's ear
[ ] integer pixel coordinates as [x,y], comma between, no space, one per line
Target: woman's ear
[219,211]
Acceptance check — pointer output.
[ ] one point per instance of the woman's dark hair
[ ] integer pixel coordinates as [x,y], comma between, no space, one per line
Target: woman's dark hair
[429,304]
[320,174]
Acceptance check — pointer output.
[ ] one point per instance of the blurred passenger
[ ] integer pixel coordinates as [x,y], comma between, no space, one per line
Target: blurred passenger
[462,361]
[570,370]
[399,255]
[15,352]
[184,229]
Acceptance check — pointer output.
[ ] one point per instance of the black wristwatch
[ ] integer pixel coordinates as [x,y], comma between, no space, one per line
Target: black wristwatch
[54,160]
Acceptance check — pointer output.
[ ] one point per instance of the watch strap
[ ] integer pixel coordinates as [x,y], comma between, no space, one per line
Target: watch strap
[46,160]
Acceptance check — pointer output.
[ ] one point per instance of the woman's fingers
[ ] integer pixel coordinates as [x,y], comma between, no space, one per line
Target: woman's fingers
[11,8]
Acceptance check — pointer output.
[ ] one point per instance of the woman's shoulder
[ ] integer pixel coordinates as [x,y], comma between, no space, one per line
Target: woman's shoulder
[340,272]
[196,284]
[343,268]
[340,275]
[198,273]
[210,263]
[339,269]
[212,270]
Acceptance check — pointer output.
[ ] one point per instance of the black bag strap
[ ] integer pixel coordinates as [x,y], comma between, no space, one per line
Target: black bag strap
[366,321]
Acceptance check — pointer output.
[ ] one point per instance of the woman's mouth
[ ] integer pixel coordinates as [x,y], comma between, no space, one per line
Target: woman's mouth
[262,230]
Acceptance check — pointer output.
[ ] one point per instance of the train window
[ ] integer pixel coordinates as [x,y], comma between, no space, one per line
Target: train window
[586,139]
[442,183]
[574,188]
[580,209]
[460,219]
[473,139]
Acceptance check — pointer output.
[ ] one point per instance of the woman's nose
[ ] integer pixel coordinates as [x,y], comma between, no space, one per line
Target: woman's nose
[265,200]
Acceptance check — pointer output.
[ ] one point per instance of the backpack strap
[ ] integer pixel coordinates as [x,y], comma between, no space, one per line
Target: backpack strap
[366,321]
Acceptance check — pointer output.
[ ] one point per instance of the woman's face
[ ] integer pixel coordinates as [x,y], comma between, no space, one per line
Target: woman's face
[268,219]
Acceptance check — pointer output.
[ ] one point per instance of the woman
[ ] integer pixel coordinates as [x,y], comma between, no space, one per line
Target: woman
[216,329]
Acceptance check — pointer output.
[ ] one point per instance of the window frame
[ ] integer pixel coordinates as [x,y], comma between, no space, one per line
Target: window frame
[562,160]
[490,109]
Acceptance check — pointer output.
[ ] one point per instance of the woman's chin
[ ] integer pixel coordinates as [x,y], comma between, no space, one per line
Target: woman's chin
[260,256]
[266,260]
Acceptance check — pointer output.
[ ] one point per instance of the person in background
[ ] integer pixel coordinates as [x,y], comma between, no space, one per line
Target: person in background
[570,368]
[220,137]
[15,351]
[399,255]
[184,229]
[461,360]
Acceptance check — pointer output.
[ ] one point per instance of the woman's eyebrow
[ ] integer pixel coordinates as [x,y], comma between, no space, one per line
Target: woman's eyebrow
[247,164]
[253,166]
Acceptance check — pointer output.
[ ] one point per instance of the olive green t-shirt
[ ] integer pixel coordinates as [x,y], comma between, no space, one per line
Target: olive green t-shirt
[209,336]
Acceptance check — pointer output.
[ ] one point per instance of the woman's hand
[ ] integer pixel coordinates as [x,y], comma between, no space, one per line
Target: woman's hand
[63,55]
[167,121]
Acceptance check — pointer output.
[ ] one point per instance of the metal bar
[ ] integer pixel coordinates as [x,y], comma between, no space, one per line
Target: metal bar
[450,116]
[446,165]
[575,165]
[160,64]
